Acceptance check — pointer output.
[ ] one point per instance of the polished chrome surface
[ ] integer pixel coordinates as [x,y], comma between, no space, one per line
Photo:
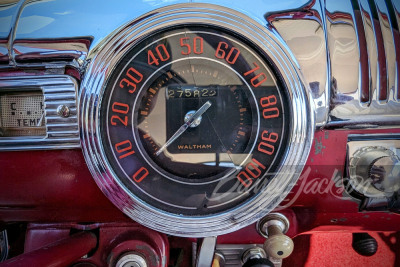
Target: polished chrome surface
[348,80]
[63,111]
[374,171]
[253,253]
[61,132]
[39,40]
[303,29]
[363,154]
[344,52]
[348,55]
[362,48]
[131,260]
[205,255]
[394,6]
[389,50]
[8,17]
[106,56]
[36,37]
[374,53]
[277,219]
[233,254]
[357,141]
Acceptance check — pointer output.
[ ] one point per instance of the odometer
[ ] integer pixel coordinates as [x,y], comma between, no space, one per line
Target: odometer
[193,119]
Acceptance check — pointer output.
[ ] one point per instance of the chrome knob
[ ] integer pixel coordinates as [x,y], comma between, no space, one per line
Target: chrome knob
[256,257]
[131,260]
[375,172]
[253,253]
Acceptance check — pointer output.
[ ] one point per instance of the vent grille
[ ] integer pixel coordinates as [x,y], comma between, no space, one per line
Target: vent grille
[364,52]
[377,30]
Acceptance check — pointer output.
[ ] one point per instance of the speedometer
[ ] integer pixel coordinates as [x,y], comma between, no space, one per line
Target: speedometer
[194,123]
[192,119]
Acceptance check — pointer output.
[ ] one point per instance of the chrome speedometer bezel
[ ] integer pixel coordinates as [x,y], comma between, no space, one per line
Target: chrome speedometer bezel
[105,57]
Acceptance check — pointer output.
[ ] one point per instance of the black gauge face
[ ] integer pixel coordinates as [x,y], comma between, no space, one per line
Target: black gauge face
[194,121]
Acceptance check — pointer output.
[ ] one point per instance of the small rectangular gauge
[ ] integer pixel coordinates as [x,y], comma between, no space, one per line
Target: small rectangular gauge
[191,91]
[22,114]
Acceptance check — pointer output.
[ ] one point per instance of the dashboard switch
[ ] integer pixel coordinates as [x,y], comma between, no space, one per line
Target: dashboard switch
[256,257]
[131,260]
[375,172]
[274,226]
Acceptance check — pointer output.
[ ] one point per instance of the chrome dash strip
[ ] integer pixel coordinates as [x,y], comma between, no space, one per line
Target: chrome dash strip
[61,132]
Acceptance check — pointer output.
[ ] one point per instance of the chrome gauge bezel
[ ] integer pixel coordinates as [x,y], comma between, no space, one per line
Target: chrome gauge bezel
[104,59]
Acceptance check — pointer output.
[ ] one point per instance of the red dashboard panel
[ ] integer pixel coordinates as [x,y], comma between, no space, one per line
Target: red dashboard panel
[56,186]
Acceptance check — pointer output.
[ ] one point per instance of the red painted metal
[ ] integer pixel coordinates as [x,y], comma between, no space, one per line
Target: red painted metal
[114,240]
[60,253]
[51,186]
[56,186]
[318,203]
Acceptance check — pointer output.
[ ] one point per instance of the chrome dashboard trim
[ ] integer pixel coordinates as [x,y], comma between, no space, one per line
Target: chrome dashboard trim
[373,51]
[340,66]
[107,54]
[46,45]
[363,42]
[61,133]
[9,13]
[389,48]
[233,253]
[303,29]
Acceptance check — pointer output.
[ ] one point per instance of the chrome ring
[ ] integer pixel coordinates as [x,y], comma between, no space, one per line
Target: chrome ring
[105,57]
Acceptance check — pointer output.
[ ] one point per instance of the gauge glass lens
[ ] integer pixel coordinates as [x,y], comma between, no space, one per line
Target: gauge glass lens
[194,121]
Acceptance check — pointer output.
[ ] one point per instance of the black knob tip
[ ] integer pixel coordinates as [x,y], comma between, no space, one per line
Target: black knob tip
[258,263]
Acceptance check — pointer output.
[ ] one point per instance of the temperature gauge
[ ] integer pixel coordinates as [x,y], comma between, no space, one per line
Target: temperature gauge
[22,114]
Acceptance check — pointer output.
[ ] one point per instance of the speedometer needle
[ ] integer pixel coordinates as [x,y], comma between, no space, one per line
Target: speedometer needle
[184,127]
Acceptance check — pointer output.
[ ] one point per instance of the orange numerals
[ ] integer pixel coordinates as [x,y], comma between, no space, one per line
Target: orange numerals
[131,79]
[258,79]
[252,169]
[140,174]
[196,46]
[124,148]
[269,104]
[267,145]
[122,109]
[161,54]
[231,56]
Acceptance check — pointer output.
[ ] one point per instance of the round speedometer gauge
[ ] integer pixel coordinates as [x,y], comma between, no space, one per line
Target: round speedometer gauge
[193,119]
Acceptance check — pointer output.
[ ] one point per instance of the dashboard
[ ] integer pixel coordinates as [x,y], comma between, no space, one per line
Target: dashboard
[206,133]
